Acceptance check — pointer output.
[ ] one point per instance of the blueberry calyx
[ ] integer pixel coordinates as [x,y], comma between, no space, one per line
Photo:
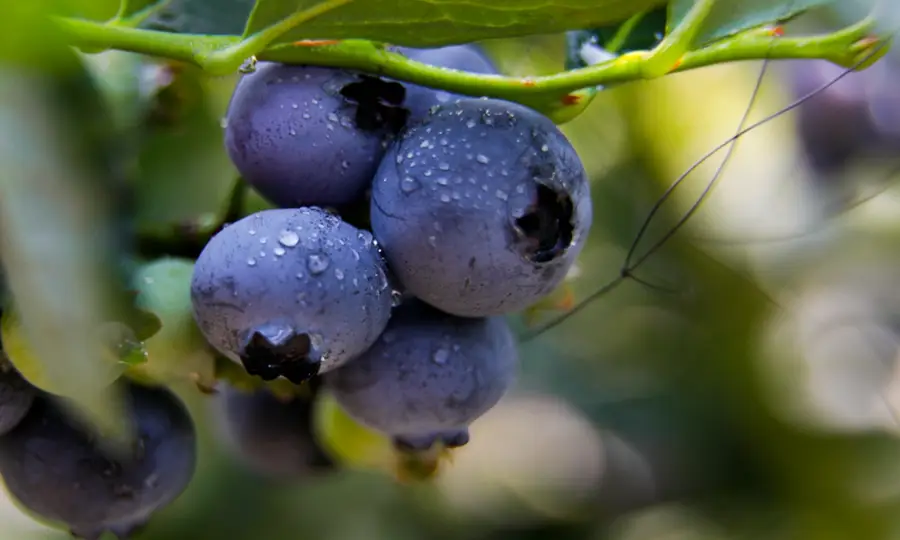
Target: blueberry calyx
[274,352]
[378,103]
[546,226]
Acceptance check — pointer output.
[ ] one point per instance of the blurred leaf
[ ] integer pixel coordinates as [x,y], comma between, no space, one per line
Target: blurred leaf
[729,17]
[131,7]
[178,352]
[645,34]
[185,174]
[348,442]
[58,246]
[421,23]
[217,17]
[119,76]
[97,10]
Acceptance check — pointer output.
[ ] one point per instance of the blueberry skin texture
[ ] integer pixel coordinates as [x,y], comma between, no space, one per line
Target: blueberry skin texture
[290,292]
[56,468]
[16,398]
[272,437]
[299,142]
[428,376]
[420,99]
[482,208]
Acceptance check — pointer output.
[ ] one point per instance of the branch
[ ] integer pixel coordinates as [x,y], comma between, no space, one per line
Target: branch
[560,96]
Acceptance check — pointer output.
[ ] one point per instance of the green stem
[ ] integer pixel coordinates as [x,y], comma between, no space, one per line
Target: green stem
[550,94]
[672,49]
[184,47]
[135,19]
[625,30]
[226,61]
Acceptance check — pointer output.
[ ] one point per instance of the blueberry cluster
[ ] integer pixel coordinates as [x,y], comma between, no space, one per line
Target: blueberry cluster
[474,209]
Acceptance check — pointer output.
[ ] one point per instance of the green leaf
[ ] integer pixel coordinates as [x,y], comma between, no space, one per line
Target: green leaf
[729,17]
[424,23]
[216,17]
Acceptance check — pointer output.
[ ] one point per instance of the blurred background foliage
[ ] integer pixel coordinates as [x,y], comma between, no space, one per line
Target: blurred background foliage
[749,393]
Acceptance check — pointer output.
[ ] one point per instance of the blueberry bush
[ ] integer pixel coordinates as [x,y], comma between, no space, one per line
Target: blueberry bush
[418,268]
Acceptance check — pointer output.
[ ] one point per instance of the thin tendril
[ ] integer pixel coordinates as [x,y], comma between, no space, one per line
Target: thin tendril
[627,268]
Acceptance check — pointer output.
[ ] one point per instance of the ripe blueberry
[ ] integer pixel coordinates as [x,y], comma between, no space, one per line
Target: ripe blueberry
[428,376]
[856,117]
[64,472]
[311,136]
[482,208]
[273,437]
[290,292]
[420,99]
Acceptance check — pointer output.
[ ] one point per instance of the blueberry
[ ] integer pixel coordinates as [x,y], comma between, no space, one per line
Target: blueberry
[420,99]
[482,208]
[273,437]
[64,472]
[311,136]
[16,398]
[428,376]
[856,117]
[290,292]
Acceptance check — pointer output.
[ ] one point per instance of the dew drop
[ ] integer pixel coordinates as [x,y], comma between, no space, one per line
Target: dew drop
[306,116]
[502,195]
[470,124]
[317,263]
[445,198]
[432,241]
[396,298]
[443,181]
[251,262]
[545,148]
[355,254]
[263,240]
[444,166]
[295,106]
[288,238]
[441,356]
[409,184]
[338,274]
[300,275]
[278,251]
[483,159]
[223,123]
[252,232]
